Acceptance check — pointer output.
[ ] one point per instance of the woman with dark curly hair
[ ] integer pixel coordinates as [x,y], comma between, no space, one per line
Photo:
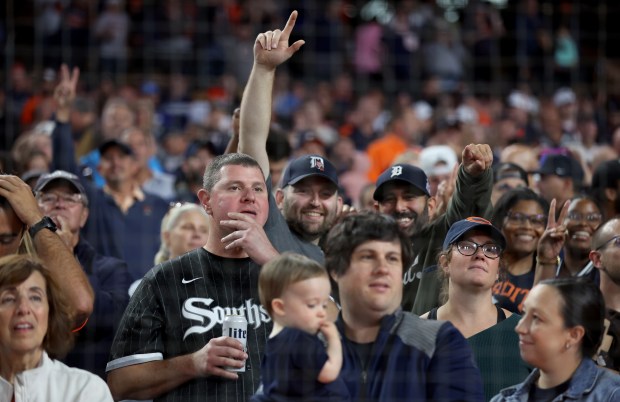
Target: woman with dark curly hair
[35,329]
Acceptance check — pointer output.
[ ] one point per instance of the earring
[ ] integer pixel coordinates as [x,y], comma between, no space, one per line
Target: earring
[567,346]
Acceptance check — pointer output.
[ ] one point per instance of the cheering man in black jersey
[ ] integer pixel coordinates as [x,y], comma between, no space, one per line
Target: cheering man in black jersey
[168,346]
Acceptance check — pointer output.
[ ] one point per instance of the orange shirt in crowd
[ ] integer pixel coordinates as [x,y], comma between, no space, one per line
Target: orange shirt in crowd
[382,153]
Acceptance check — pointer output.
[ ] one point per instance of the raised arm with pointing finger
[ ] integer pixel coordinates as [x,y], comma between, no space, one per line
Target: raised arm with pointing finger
[271,49]
[308,203]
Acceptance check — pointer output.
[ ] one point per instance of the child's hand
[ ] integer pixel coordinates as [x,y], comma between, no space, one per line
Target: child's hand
[329,330]
[331,368]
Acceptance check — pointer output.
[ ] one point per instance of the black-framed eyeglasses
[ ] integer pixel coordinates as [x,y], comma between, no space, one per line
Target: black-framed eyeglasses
[469,248]
[614,240]
[590,218]
[536,220]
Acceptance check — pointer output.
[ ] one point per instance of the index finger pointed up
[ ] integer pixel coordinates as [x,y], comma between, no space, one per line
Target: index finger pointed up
[288,28]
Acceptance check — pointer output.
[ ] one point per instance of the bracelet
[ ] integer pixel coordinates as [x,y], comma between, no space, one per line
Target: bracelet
[555,261]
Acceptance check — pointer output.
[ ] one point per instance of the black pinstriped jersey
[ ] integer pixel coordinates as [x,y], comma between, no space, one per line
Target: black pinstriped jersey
[180,306]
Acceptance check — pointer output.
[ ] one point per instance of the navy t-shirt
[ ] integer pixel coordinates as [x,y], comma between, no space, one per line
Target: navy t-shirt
[291,366]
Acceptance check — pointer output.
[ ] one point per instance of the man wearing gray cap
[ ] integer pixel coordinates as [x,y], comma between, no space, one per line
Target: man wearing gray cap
[61,196]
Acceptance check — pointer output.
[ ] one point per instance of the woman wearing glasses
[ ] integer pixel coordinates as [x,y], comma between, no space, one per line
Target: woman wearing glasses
[521,215]
[470,263]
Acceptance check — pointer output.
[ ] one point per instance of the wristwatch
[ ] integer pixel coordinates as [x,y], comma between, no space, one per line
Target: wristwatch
[45,223]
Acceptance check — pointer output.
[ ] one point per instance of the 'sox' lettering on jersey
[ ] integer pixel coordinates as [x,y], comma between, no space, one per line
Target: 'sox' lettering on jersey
[396,171]
[194,309]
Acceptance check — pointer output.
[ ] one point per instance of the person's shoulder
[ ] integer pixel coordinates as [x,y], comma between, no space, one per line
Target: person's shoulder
[503,394]
[156,201]
[62,373]
[418,332]
[191,260]
[610,378]
[409,319]
[104,263]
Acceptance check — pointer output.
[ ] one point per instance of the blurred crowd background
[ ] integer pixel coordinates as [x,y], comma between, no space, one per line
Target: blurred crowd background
[538,72]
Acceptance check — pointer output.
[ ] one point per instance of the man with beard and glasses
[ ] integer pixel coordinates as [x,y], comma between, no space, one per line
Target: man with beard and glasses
[308,200]
[403,192]
[605,256]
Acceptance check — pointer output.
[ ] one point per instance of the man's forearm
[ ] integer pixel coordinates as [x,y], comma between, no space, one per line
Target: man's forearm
[67,270]
[256,115]
[472,196]
[150,380]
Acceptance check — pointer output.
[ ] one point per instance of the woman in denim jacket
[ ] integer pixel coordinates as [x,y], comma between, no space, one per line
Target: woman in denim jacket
[560,330]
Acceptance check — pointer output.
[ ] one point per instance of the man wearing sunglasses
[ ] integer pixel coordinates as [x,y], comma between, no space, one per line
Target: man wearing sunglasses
[605,255]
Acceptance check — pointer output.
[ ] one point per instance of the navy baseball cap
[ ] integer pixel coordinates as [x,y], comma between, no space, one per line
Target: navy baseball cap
[61,175]
[306,166]
[115,143]
[402,172]
[458,229]
[562,166]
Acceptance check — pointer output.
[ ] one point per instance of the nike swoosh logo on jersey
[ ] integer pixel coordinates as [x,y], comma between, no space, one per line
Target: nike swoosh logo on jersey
[185,282]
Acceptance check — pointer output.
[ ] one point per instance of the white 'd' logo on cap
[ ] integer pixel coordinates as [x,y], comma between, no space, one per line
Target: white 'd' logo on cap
[397,171]
[316,162]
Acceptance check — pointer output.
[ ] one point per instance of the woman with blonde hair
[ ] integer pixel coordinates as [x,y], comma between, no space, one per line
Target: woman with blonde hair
[184,228]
